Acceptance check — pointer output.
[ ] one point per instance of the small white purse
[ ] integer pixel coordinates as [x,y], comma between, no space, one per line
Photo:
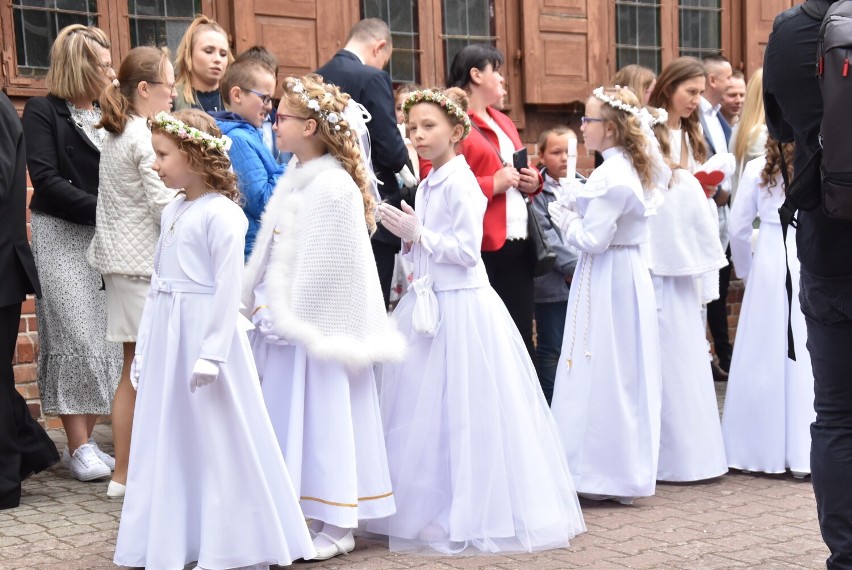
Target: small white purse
[424,318]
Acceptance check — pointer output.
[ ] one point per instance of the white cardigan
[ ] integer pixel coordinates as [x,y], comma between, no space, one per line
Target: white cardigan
[131,198]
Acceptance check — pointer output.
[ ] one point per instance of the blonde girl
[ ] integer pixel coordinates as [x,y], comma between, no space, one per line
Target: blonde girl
[748,138]
[312,289]
[201,59]
[639,79]
[131,199]
[607,392]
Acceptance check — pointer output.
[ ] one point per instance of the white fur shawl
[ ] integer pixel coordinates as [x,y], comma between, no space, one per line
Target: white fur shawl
[313,254]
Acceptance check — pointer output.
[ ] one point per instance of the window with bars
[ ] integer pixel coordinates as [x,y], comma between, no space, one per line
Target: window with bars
[467,22]
[401,18]
[160,22]
[37,23]
[700,27]
[637,29]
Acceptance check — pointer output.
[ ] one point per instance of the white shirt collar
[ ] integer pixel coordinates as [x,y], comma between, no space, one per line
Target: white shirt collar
[361,59]
[708,109]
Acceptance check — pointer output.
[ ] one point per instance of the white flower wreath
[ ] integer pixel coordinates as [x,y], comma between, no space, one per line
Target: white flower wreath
[184,132]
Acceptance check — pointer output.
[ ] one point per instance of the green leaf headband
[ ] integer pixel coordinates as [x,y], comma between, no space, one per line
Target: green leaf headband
[183,131]
[449,106]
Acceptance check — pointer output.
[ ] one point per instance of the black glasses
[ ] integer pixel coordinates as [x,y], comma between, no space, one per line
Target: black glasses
[266,99]
[281,116]
[586,120]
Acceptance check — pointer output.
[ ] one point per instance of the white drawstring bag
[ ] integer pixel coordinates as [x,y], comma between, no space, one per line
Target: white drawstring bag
[424,319]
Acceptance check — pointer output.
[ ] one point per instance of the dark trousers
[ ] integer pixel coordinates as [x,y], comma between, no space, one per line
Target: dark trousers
[510,272]
[385,254]
[25,447]
[827,305]
[717,318]
[549,328]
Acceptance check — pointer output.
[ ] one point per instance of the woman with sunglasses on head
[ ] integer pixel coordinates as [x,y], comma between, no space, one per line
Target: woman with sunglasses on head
[78,369]
[131,200]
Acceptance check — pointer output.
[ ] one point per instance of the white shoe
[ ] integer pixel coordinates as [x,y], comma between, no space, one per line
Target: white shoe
[627,501]
[115,490]
[800,474]
[86,466]
[344,545]
[108,459]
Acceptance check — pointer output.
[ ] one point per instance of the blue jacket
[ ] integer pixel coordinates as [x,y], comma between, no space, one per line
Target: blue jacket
[256,169]
[551,288]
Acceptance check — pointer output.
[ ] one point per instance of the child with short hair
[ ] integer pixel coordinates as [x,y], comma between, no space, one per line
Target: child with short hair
[206,480]
[312,289]
[551,290]
[247,90]
[608,382]
[201,59]
[475,456]
[260,53]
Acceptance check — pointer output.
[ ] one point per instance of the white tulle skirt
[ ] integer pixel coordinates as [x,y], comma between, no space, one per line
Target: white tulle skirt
[475,456]
[329,427]
[691,446]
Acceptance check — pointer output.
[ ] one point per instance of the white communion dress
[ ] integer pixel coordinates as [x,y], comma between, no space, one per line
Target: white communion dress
[684,246]
[313,290]
[769,403]
[606,398]
[475,457]
[207,482]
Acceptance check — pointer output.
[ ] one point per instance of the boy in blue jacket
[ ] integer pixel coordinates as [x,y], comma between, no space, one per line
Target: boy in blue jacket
[247,89]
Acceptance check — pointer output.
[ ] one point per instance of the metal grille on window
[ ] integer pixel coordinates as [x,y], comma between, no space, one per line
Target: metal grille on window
[401,18]
[37,23]
[467,22]
[637,33]
[700,27]
[160,22]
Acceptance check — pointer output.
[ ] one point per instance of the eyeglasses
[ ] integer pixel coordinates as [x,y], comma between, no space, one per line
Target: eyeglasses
[281,116]
[171,86]
[105,66]
[586,120]
[265,98]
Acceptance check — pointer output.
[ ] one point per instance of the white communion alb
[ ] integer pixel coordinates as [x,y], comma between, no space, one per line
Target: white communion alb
[206,481]
[313,291]
[474,453]
[606,398]
[769,403]
[684,245]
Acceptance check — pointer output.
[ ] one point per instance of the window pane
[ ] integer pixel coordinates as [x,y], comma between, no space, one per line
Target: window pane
[160,22]
[700,27]
[401,18]
[637,29]
[37,23]
[467,22]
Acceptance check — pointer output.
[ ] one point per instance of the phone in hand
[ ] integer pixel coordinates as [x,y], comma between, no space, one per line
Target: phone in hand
[520,159]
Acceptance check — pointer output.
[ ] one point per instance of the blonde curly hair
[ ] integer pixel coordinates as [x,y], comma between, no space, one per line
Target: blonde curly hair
[628,131]
[339,140]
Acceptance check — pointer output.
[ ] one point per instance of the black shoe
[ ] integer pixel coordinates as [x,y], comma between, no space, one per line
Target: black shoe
[719,375]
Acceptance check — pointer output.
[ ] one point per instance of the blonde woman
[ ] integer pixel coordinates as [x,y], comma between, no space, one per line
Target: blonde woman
[78,368]
[748,138]
[201,59]
[638,79]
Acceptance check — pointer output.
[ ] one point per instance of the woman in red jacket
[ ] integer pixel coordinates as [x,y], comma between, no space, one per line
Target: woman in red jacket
[506,249]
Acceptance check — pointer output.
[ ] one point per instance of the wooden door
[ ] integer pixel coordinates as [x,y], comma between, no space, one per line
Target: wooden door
[759,16]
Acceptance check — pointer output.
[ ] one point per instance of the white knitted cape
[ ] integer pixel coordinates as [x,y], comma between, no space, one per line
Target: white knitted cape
[313,252]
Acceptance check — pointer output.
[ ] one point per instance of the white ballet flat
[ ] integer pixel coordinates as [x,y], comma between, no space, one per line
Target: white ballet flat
[627,501]
[116,490]
[337,547]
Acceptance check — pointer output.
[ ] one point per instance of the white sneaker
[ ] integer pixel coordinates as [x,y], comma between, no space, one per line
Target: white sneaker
[108,459]
[86,466]
[115,490]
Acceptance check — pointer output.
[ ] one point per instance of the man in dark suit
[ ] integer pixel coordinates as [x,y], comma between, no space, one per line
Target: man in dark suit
[357,70]
[25,448]
[717,133]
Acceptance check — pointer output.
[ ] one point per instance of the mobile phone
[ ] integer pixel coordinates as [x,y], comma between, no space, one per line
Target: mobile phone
[520,159]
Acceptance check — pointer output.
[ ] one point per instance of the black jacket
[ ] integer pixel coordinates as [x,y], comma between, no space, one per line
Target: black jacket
[63,162]
[793,104]
[372,88]
[16,258]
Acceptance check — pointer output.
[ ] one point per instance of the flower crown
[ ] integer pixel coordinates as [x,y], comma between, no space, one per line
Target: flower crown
[615,103]
[183,131]
[449,106]
[313,104]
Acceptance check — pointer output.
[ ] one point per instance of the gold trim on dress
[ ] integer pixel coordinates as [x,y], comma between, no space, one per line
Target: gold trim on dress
[259,307]
[334,504]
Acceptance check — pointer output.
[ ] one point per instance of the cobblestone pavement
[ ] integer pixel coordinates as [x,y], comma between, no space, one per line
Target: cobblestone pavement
[737,521]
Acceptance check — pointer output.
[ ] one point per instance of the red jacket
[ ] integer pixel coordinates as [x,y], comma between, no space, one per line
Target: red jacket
[484,162]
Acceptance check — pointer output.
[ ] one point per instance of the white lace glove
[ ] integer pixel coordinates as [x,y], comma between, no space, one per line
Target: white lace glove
[403,223]
[135,371]
[204,372]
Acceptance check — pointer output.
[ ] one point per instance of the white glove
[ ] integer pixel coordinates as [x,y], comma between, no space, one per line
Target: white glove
[264,326]
[135,371]
[204,372]
[402,223]
[559,214]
